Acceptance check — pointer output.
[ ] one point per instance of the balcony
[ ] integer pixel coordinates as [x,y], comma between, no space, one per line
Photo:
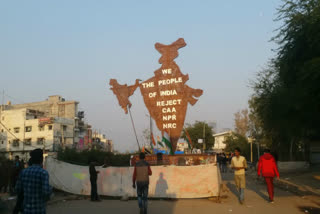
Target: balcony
[64,134]
[15,144]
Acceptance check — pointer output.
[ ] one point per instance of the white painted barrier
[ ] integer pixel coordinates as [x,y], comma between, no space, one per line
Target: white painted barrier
[166,181]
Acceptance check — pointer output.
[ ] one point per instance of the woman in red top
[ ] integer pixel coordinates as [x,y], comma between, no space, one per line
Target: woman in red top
[269,169]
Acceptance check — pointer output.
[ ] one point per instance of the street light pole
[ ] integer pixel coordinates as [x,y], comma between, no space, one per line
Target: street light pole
[251,155]
[204,137]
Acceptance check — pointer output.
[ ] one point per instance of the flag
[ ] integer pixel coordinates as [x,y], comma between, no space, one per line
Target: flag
[188,138]
[166,140]
[159,142]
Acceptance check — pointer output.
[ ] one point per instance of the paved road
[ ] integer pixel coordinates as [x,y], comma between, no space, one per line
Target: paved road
[255,195]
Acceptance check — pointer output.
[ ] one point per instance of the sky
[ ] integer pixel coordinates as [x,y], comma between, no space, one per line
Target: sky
[72,48]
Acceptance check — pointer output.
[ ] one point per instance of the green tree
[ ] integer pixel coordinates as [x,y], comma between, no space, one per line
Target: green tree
[287,93]
[196,132]
[146,136]
[237,140]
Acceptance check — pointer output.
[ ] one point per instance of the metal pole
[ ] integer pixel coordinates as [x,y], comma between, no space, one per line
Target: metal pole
[251,152]
[258,147]
[24,134]
[204,136]
[134,128]
[150,132]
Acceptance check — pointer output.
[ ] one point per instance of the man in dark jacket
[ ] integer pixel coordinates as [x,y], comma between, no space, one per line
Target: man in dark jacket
[17,168]
[33,185]
[141,174]
[93,180]
[267,165]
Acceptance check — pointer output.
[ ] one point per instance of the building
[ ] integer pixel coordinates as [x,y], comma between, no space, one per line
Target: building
[219,140]
[51,124]
[182,146]
[99,141]
[23,130]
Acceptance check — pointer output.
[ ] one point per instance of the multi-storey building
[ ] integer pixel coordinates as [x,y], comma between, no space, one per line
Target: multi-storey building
[219,141]
[51,124]
[25,129]
[101,142]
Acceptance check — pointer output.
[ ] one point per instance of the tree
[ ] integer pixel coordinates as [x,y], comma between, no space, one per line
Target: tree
[146,136]
[286,97]
[196,132]
[241,121]
[237,140]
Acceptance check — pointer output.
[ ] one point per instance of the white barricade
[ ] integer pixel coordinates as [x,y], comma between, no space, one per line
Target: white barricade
[166,181]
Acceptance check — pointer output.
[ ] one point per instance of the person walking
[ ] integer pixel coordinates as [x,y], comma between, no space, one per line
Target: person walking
[140,179]
[224,161]
[219,159]
[239,164]
[33,185]
[268,166]
[17,168]
[93,180]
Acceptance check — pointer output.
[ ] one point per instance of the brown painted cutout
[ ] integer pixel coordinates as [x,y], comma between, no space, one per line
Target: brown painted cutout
[165,95]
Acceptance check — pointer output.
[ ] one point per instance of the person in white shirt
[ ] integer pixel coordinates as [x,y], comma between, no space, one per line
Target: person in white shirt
[239,164]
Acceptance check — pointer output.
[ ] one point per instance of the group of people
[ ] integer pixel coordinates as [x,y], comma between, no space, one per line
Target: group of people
[267,168]
[222,160]
[10,171]
[31,184]
[33,189]
[140,182]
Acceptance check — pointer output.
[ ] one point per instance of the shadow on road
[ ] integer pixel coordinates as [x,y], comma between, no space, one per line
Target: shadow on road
[310,210]
[256,185]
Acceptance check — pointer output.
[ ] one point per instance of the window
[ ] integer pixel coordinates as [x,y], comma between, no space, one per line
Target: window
[27,142]
[2,142]
[50,127]
[28,128]
[40,141]
[15,143]
[41,128]
[1,130]
[16,130]
[64,128]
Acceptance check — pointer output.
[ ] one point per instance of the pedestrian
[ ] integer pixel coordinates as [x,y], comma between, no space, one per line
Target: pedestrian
[268,166]
[8,168]
[17,167]
[33,185]
[140,179]
[93,180]
[219,161]
[224,161]
[239,164]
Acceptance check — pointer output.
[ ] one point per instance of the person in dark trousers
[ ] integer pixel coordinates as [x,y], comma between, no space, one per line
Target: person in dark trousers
[268,166]
[140,179]
[33,186]
[17,168]
[224,161]
[219,160]
[93,180]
